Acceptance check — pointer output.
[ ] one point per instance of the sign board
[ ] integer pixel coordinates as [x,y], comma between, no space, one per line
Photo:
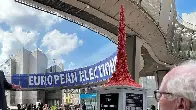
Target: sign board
[82,76]
[121,98]
[134,101]
[88,96]
[109,101]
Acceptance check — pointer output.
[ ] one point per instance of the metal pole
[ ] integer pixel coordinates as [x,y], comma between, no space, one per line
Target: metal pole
[54,65]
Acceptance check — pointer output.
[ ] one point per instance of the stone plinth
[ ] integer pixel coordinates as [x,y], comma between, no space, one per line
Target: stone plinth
[121,98]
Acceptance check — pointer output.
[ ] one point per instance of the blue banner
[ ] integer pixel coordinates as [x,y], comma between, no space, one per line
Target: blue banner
[82,76]
[88,96]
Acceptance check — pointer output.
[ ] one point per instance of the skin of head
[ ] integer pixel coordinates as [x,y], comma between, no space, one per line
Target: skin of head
[45,105]
[181,83]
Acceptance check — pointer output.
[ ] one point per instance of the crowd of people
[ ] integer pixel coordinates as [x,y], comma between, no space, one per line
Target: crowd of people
[42,106]
[177,91]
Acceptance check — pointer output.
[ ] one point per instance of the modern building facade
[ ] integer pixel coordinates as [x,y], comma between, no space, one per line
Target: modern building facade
[9,67]
[27,62]
[150,84]
[72,96]
[54,97]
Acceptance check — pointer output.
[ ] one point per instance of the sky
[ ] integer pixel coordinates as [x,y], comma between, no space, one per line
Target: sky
[67,42]
[187,10]
[185,6]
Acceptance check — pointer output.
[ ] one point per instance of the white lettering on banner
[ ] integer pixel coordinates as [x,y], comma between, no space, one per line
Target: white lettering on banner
[115,58]
[81,76]
[56,78]
[91,75]
[107,68]
[68,79]
[43,81]
[74,78]
[37,80]
[85,73]
[113,64]
[71,77]
[95,72]
[49,79]
[62,78]
[103,69]
[31,80]
[100,71]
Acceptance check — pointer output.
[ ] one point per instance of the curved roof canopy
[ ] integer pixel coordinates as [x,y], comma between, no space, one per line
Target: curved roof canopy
[170,39]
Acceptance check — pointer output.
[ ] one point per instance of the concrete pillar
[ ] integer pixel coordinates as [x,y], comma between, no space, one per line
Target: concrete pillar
[130,49]
[138,56]
[159,76]
[134,54]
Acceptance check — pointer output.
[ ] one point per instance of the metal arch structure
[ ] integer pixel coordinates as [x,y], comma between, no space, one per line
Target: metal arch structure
[154,21]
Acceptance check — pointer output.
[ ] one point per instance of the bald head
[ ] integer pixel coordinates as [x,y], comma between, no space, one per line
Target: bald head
[183,71]
[181,80]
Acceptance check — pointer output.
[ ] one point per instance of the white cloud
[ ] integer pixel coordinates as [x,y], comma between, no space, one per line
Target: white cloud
[190,18]
[15,14]
[83,28]
[14,40]
[22,20]
[59,44]
[80,42]
[71,66]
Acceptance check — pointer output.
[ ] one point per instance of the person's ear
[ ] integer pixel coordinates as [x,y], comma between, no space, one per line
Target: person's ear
[183,104]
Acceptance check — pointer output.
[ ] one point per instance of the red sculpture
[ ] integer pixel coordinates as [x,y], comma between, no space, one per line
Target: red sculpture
[121,75]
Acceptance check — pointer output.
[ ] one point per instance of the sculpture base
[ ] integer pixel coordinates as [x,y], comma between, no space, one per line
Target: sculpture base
[121,98]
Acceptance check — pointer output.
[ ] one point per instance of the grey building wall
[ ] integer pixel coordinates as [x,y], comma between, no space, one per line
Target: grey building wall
[26,96]
[150,84]
[38,64]
[12,93]
[55,96]
[25,62]
[6,68]
[55,68]
[18,58]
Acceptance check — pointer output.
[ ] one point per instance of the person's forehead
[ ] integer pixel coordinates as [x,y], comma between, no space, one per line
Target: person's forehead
[179,70]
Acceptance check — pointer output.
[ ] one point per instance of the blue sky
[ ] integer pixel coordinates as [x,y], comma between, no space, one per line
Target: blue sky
[84,47]
[94,48]
[187,11]
[185,6]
